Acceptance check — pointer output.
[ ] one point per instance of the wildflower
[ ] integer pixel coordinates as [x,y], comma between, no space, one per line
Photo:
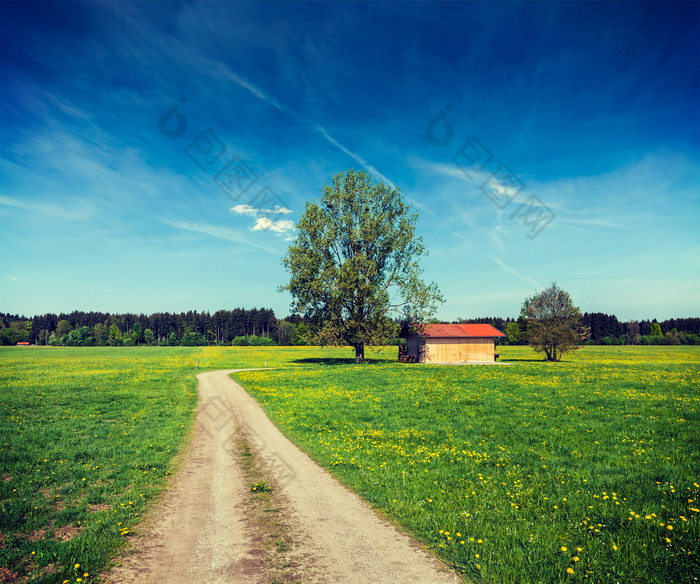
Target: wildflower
[563,548]
[614,547]
[476,556]
[667,540]
[478,567]
[570,570]
[579,549]
[669,527]
[479,541]
[576,558]
[78,565]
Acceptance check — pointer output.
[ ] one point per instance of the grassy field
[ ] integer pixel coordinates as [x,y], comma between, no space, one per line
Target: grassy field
[581,471]
[87,441]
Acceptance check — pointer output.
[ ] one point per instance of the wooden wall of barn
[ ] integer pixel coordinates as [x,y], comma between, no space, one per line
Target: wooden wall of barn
[457,349]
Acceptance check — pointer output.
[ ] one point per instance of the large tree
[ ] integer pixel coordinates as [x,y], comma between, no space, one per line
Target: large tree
[552,322]
[354,264]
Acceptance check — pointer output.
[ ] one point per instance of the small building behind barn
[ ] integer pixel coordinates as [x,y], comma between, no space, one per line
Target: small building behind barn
[450,343]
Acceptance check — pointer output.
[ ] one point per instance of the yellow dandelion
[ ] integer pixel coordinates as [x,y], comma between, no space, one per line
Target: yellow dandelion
[614,547]
[667,540]
[570,570]
[478,567]
[576,558]
[669,527]
[563,548]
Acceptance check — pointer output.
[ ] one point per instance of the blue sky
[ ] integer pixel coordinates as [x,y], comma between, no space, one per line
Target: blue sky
[156,155]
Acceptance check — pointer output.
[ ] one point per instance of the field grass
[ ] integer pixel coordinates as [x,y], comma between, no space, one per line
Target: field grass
[589,465]
[88,438]
[580,471]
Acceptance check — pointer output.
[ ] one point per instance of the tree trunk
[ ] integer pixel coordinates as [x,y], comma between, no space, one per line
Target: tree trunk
[359,352]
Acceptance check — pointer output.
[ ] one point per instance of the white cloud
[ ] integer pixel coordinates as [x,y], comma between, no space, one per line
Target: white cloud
[13,278]
[267,224]
[255,212]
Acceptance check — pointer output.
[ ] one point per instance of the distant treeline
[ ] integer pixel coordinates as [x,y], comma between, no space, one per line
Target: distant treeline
[598,328]
[224,327]
[261,327]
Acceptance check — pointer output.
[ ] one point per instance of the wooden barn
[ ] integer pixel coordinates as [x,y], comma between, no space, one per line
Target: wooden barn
[450,343]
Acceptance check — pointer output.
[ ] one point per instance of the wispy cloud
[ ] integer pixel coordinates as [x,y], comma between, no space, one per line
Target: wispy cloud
[366,165]
[13,278]
[219,232]
[80,214]
[222,70]
[514,272]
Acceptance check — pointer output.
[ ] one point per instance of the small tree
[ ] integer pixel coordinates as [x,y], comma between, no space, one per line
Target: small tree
[148,336]
[633,331]
[355,260]
[137,333]
[115,336]
[513,333]
[62,328]
[552,322]
[656,330]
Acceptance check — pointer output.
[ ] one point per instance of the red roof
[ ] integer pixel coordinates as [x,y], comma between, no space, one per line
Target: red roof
[461,330]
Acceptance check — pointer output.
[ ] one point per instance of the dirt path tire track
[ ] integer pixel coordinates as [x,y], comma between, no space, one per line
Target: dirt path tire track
[198,532]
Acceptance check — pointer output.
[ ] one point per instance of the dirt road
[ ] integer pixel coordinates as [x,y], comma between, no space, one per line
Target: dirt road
[212,527]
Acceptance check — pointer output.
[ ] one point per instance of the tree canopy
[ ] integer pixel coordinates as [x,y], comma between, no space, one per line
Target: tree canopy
[355,262]
[552,322]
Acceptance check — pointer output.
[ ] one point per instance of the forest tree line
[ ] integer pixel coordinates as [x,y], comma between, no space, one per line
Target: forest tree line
[261,327]
[224,327]
[597,328]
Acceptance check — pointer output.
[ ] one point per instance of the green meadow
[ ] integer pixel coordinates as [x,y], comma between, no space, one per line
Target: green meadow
[581,471]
